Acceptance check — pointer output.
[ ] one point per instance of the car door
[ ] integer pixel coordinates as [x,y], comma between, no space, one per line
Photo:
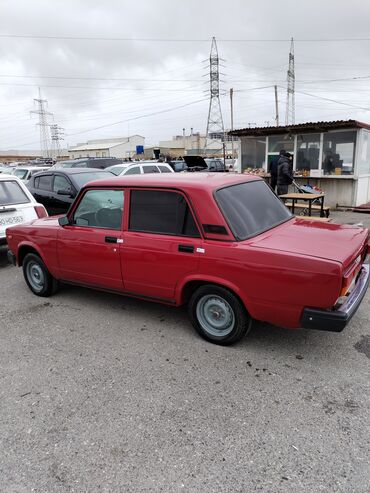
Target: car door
[41,189]
[63,194]
[88,247]
[161,244]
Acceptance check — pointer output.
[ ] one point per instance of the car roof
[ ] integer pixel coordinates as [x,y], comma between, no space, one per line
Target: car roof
[72,171]
[31,167]
[204,181]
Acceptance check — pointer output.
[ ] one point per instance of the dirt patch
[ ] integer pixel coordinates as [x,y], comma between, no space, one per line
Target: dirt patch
[363,346]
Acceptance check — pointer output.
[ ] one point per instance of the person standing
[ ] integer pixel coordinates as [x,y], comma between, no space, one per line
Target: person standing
[274,169]
[285,173]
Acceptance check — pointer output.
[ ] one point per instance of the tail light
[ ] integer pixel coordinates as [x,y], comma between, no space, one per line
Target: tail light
[40,211]
[350,275]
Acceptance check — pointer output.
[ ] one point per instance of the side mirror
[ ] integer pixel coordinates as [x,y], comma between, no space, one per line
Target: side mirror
[68,193]
[63,221]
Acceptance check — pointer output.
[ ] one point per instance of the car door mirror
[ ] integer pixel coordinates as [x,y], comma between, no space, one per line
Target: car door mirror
[63,221]
[67,193]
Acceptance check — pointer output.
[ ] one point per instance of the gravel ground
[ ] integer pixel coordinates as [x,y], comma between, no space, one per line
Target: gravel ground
[101,393]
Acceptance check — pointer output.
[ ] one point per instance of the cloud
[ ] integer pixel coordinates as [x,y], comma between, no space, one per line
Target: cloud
[91,83]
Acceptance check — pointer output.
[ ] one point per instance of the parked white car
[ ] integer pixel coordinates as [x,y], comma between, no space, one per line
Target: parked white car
[24,173]
[139,168]
[17,205]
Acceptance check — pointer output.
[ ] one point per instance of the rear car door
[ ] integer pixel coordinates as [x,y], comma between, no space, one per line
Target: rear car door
[41,189]
[161,244]
[88,248]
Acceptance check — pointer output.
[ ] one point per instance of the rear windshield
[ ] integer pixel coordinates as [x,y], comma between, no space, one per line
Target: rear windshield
[251,208]
[11,194]
[82,178]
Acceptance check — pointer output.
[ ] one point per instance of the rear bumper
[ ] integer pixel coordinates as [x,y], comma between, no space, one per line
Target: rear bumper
[336,320]
[11,257]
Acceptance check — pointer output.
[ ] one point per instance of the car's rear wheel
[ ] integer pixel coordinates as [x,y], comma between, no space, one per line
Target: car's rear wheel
[37,276]
[218,315]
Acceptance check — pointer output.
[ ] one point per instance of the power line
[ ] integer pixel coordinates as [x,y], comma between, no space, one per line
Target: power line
[181,40]
[138,117]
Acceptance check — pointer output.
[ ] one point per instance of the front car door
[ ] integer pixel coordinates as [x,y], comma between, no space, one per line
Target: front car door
[88,248]
[160,244]
[62,194]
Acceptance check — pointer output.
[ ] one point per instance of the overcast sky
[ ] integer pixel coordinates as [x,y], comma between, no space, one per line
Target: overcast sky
[154,80]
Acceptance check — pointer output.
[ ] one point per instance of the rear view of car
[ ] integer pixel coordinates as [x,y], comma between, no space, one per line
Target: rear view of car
[17,205]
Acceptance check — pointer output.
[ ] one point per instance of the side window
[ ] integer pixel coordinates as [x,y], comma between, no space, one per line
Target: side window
[161,212]
[164,169]
[45,182]
[36,183]
[212,165]
[150,169]
[100,209]
[61,184]
[133,171]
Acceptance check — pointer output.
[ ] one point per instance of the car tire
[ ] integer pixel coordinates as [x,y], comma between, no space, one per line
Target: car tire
[37,276]
[218,315]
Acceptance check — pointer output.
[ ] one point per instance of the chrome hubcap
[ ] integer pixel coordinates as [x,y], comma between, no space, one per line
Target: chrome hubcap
[215,315]
[35,276]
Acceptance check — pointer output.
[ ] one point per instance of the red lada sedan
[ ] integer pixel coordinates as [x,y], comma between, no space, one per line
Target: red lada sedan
[222,243]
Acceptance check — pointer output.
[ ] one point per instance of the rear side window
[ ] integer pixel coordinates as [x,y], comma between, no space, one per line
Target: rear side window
[11,193]
[164,169]
[44,182]
[150,169]
[161,212]
[133,171]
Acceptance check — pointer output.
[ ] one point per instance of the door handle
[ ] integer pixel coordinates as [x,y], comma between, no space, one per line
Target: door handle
[186,248]
[111,239]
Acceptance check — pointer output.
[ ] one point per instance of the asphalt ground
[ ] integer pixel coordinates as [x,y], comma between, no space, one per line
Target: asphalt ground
[102,393]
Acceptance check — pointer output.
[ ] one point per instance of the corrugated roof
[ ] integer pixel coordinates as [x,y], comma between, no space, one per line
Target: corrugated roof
[300,127]
[97,147]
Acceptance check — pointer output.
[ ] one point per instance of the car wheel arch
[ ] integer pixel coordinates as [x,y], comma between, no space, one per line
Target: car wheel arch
[25,249]
[189,286]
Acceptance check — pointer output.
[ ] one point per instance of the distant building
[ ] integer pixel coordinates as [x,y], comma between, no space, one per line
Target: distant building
[332,155]
[194,144]
[124,147]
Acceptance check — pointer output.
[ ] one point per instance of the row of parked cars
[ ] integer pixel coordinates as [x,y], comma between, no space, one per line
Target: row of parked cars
[52,189]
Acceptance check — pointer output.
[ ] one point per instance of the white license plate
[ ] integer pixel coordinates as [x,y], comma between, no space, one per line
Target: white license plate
[9,221]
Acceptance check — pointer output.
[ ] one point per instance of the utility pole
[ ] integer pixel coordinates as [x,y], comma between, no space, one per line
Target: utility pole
[43,124]
[290,97]
[276,107]
[215,124]
[232,121]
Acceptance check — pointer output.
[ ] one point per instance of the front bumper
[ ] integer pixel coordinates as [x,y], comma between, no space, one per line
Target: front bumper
[11,257]
[336,320]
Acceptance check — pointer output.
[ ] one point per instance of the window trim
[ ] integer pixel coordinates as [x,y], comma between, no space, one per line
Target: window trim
[159,189]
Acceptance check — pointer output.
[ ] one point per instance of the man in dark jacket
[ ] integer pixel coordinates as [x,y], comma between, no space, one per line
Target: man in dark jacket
[273,169]
[285,173]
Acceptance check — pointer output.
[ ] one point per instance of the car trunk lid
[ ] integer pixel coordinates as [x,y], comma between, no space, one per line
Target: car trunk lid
[338,242]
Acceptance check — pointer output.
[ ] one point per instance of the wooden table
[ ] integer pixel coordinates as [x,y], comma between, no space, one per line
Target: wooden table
[308,197]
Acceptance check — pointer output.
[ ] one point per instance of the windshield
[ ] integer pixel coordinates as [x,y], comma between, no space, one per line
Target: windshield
[21,173]
[116,170]
[82,178]
[251,208]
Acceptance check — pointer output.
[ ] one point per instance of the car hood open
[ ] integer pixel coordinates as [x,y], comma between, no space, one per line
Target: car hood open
[195,162]
[338,242]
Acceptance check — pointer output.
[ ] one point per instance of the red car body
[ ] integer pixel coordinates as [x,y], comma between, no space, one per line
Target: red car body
[292,275]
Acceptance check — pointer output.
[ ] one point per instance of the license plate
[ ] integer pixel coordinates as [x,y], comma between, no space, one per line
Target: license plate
[9,221]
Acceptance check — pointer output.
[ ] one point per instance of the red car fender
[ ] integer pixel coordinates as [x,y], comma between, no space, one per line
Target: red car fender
[181,294]
[34,247]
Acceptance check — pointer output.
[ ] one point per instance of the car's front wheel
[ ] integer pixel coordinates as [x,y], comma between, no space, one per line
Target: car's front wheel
[218,315]
[37,276]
